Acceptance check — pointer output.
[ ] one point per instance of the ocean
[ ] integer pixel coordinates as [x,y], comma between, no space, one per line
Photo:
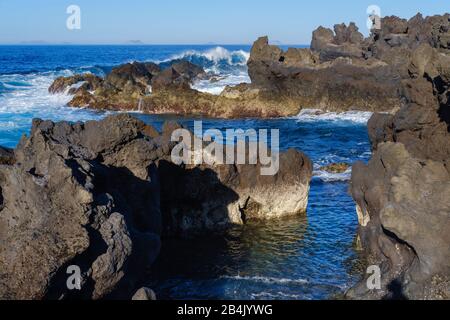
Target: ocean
[310,257]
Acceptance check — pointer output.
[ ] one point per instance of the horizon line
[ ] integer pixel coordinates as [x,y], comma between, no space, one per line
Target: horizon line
[141,44]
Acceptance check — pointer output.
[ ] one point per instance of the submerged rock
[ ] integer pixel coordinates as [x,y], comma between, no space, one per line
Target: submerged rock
[336,168]
[97,196]
[403,194]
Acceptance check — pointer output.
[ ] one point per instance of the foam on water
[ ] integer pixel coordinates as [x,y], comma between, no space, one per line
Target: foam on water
[28,98]
[316,114]
[216,87]
[332,177]
[226,67]
[267,280]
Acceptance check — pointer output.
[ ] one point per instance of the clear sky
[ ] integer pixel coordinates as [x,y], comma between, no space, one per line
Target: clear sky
[191,21]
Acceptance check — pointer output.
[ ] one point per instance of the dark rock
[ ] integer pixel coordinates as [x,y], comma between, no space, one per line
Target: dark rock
[98,195]
[178,75]
[6,156]
[402,194]
[89,82]
[78,195]
[342,71]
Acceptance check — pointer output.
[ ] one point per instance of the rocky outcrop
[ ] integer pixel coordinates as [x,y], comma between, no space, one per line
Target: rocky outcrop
[402,194]
[98,196]
[341,71]
[132,86]
[76,83]
[78,195]
[196,199]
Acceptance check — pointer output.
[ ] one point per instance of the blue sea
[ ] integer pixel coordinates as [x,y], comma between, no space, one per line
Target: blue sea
[309,257]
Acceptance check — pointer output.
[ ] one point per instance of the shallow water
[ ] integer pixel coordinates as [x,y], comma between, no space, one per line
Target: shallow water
[309,257]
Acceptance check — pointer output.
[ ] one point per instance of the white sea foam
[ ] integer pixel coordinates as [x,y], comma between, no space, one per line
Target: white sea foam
[267,280]
[228,67]
[216,55]
[315,114]
[30,99]
[276,295]
[216,87]
[326,176]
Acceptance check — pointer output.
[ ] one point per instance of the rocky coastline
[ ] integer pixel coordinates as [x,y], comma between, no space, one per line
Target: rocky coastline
[102,195]
[341,71]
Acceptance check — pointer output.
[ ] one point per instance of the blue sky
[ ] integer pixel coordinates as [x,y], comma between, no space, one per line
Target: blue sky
[191,21]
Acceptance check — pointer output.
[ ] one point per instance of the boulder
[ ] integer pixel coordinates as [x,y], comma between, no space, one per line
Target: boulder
[203,198]
[144,294]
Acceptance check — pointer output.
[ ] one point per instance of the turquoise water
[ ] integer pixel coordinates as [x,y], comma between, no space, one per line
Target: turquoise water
[309,257]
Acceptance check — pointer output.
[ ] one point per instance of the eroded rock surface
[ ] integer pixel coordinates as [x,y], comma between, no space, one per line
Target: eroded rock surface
[403,194]
[76,195]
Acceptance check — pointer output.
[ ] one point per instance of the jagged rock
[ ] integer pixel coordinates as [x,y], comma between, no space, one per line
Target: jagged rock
[342,71]
[321,37]
[88,82]
[131,78]
[95,195]
[288,84]
[75,196]
[402,194]
[346,41]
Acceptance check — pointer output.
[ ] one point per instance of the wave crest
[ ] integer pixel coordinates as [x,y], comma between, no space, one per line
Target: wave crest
[307,115]
[217,60]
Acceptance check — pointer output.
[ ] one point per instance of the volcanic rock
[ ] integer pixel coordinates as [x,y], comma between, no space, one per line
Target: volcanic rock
[97,196]
[402,194]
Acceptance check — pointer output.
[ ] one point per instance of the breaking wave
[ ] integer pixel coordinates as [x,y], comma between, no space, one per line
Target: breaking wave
[226,67]
[26,97]
[267,280]
[315,114]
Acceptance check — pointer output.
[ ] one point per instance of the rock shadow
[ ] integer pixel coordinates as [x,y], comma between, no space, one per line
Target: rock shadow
[193,201]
